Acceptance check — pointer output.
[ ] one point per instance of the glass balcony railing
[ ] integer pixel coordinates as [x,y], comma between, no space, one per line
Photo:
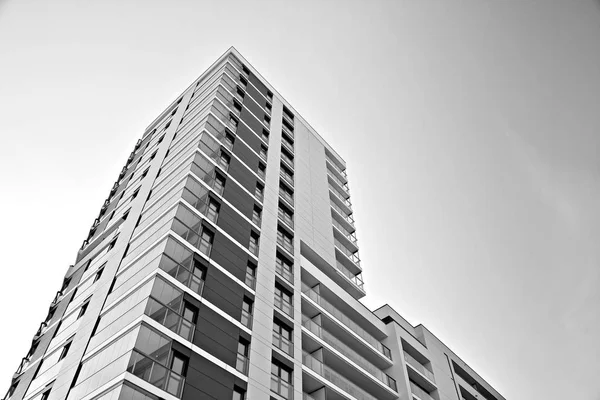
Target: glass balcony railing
[347,217]
[348,352]
[353,256]
[420,393]
[170,319]
[281,387]
[340,196]
[335,378]
[182,274]
[350,236]
[156,374]
[418,366]
[355,279]
[337,180]
[284,306]
[284,273]
[337,169]
[241,364]
[283,344]
[346,321]
[246,319]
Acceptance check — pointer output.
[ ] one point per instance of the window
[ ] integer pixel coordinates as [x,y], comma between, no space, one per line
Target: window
[247,312]
[228,141]
[281,379]
[242,356]
[253,245]
[98,274]
[263,152]
[283,300]
[83,309]
[145,173]
[259,192]
[269,95]
[285,215]
[262,170]
[269,107]
[212,210]
[179,363]
[256,215]
[251,274]
[153,155]
[285,240]
[287,174]
[238,394]
[240,93]
[219,183]
[243,81]
[161,138]
[267,120]
[286,193]
[265,135]
[64,351]
[238,107]
[224,160]
[284,267]
[206,240]
[282,337]
[246,70]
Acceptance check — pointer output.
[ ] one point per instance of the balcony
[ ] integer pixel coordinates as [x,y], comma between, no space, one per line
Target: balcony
[414,363]
[182,274]
[250,280]
[343,214]
[170,319]
[420,393]
[352,256]
[287,245]
[156,374]
[350,236]
[348,352]
[356,279]
[339,196]
[343,187]
[288,119]
[283,344]
[288,145]
[337,169]
[284,306]
[287,160]
[335,378]
[281,387]
[346,321]
[288,132]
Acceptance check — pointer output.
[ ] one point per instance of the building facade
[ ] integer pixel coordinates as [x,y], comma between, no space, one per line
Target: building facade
[224,265]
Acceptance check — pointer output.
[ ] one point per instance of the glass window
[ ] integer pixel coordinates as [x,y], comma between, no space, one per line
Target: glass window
[206,239]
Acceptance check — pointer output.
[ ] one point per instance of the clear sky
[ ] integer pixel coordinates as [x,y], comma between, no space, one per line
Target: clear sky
[471,130]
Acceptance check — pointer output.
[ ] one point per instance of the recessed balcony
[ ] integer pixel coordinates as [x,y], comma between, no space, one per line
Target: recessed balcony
[419,373]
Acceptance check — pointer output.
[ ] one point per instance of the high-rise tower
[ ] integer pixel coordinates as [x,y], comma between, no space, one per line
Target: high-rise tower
[224,265]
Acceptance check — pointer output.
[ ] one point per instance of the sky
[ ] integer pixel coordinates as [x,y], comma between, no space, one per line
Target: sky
[471,130]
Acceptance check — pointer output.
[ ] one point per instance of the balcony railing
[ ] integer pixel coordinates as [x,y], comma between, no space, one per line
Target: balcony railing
[420,393]
[353,256]
[413,362]
[283,344]
[241,364]
[170,319]
[353,326]
[348,217]
[342,184]
[288,119]
[288,132]
[340,196]
[335,378]
[350,236]
[355,279]
[156,374]
[284,306]
[281,387]
[287,159]
[337,169]
[284,273]
[288,145]
[348,352]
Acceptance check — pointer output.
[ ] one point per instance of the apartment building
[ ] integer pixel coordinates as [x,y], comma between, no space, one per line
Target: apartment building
[224,264]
